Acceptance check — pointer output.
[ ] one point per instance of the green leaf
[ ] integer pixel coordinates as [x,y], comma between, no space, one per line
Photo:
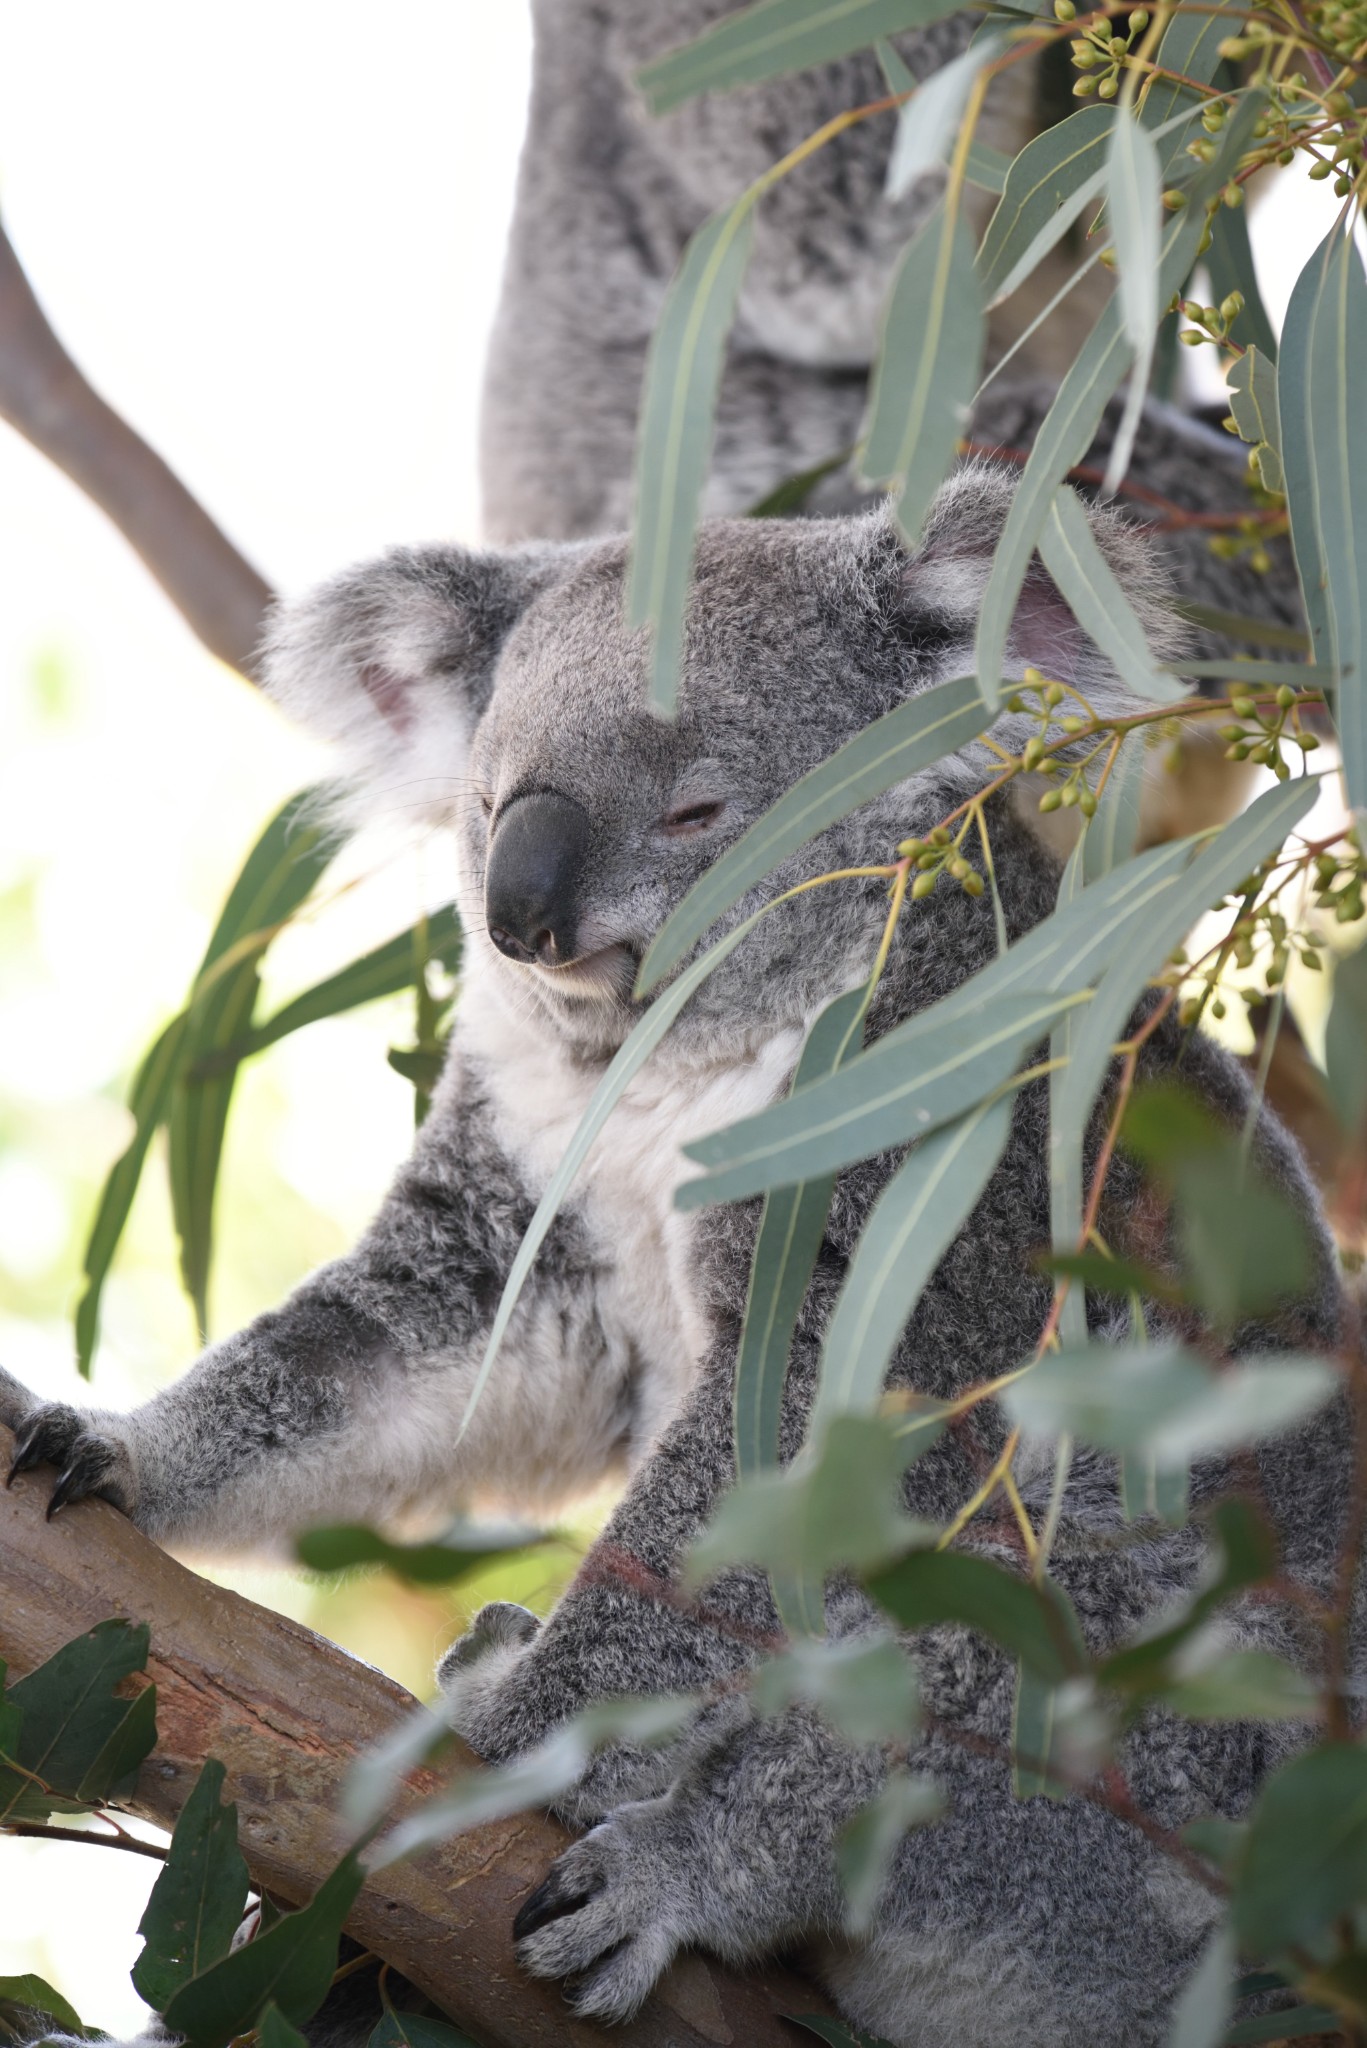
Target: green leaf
[279,873]
[113,1772]
[1328,316]
[776,37]
[291,1967]
[1252,381]
[1239,670]
[835,2032]
[69,1707]
[1047,188]
[918,733]
[928,124]
[407,2030]
[837,1504]
[386,971]
[418,1739]
[538,1778]
[149,1100]
[866,1845]
[913,1222]
[1103,1275]
[1098,601]
[1206,2002]
[1241,1685]
[1068,428]
[273,2030]
[1190,46]
[1037,1748]
[22,1999]
[1235,626]
[1165,1400]
[1033,1621]
[1229,261]
[674,442]
[444,1562]
[906,1086]
[1305,1862]
[790,1235]
[1246,1555]
[792,494]
[928,366]
[864,1687]
[1345,1042]
[196,1903]
[1162,1492]
[1293,2022]
[1299,453]
[1134,194]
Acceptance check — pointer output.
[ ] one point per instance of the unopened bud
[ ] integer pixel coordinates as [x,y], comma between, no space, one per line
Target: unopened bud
[922,886]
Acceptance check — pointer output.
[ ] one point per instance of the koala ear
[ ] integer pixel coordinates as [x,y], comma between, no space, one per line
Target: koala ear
[945,580]
[393,662]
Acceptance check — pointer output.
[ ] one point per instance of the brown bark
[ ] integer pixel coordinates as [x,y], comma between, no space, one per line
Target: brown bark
[45,397]
[286,1713]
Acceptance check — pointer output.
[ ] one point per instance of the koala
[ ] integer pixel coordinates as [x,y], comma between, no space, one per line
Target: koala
[502,692]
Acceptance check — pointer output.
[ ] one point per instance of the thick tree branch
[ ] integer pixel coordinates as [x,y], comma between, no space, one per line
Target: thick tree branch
[286,1712]
[45,397]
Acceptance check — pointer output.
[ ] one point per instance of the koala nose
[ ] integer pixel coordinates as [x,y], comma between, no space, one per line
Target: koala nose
[531,886]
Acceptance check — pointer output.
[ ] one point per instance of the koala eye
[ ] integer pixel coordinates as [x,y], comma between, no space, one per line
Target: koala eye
[691,818]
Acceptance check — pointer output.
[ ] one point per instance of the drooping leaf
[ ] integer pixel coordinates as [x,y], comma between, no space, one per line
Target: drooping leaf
[913,1222]
[928,124]
[838,1504]
[408,2030]
[1205,2003]
[273,2030]
[290,1966]
[835,2032]
[1067,430]
[1235,626]
[937,1067]
[1134,191]
[1293,2022]
[1165,1400]
[386,971]
[913,737]
[1305,1861]
[1229,261]
[776,37]
[26,1998]
[113,1770]
[1241,1685]
[1325,343]
[1303,494]
[1190,49]
[279,873]
[928,366]
[419,1738]
[1161,1492]
[1047,188]
[148,1102]
[539,1777]
[864,1686]
[1031,1620]
[1238,671]
[1252,381]
[1058,1734]
[196,1903]
[674,436]
[1345,1042]
[1097,600]
[789,1239]
[445,1561]
[1245,1555]
[867,1844]
[70,1708]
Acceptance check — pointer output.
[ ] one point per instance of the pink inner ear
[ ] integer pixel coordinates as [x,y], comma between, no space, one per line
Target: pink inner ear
[389,694]
[1044,633]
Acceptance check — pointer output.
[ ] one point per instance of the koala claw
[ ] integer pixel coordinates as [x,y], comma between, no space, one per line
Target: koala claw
[86,1462]
[602,1918]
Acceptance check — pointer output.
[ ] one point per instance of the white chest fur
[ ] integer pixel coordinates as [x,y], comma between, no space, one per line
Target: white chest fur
[648,1301]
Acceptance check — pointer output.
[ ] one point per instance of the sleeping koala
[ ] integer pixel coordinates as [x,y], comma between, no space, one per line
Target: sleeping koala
[502,690]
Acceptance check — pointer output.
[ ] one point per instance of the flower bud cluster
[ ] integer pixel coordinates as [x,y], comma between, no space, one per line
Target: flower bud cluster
[1265,729]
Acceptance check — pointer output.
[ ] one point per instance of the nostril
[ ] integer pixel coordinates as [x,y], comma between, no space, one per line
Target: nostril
[511,948]
[545,948]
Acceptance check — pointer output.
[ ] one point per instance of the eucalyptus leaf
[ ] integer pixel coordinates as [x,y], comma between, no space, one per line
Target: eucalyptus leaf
[419,1738]
[409,2030]
[273,2030]
[1205,2003]
[1134,192]
[386,971]
[1241,1685]
[196,1903]
[69,1704]
[1229,261]
[1031,1620]
[866,1845]
[445,1561]
[928,124]
[1345,1042]
[28,1997]
[1252,381]
[863,1686]
[1305,1861]
[1245,1554]
[1097,600]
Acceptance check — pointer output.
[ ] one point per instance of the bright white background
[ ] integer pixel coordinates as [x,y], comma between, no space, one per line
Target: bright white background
[271,234]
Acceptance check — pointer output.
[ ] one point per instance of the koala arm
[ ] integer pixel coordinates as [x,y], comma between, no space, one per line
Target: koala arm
[348,1400]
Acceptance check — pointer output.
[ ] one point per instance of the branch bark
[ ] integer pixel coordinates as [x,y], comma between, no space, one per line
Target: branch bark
[286,1713]
[46,398]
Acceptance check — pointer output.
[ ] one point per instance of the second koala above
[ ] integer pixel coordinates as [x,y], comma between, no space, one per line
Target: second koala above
[502,691]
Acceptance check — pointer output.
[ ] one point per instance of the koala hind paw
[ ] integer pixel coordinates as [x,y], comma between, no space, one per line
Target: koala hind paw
[87,1463]
[604,1919]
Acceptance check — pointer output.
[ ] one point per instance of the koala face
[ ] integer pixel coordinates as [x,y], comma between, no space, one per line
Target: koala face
[503,694]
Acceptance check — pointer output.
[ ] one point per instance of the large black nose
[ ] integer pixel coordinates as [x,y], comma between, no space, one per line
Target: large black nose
[531,888]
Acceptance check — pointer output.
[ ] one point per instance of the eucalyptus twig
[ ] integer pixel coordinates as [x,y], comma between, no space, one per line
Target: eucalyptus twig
[37,1831]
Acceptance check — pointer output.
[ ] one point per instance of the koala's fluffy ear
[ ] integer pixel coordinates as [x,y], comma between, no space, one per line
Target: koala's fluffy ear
[393,661]
[945,579]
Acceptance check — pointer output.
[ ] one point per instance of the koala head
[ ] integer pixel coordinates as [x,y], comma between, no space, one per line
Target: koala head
[501,694]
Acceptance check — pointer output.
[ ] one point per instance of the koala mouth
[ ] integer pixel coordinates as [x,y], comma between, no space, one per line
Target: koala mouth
[605,975]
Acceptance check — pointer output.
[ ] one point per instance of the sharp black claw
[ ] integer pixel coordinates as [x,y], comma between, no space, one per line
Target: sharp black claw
[26,1456]
[70,1487]
[550,1901]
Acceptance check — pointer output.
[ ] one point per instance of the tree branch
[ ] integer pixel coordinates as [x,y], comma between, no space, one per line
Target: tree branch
[286,1713]
[45,397]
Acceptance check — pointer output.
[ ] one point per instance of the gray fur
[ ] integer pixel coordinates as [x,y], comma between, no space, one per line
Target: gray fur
[1006,1921]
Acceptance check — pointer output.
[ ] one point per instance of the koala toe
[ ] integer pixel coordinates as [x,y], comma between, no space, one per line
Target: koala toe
[86,1461]
[479,1665]
[603,1918]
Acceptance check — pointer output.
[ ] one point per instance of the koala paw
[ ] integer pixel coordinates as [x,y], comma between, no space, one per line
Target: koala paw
[86,1461]
[612,1914]
[477,1666]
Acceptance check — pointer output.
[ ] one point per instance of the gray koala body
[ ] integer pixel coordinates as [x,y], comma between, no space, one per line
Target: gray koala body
[505,689]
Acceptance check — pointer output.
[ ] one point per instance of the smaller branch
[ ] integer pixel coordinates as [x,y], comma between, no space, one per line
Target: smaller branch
[36,1832]
[45,398]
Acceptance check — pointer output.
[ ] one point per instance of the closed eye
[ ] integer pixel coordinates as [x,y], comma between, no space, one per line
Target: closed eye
[691,818]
